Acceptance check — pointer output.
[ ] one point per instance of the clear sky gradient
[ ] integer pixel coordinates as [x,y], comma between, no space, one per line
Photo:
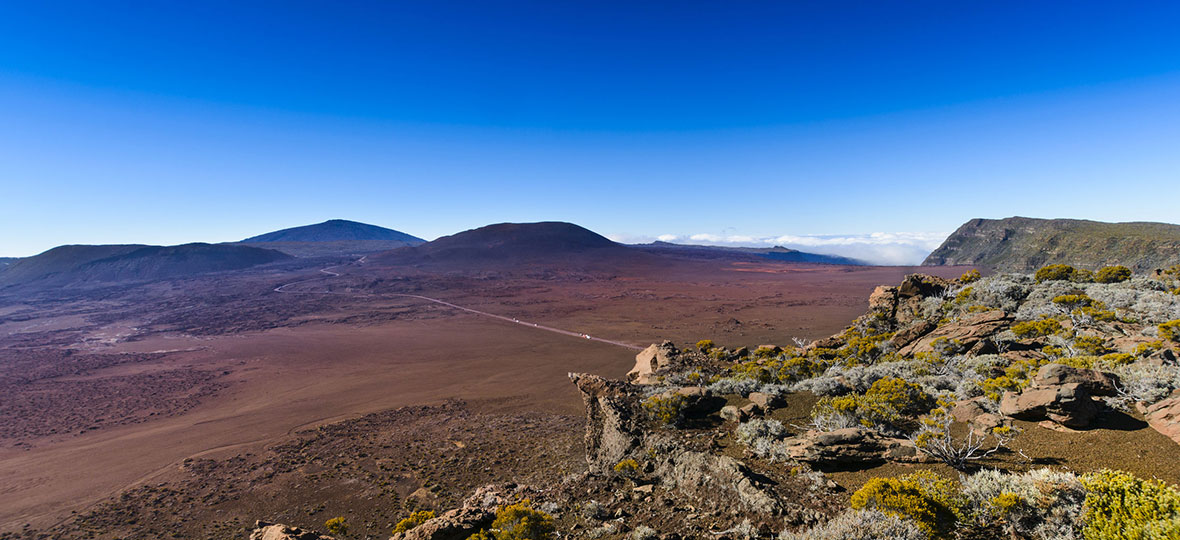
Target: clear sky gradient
[813,124]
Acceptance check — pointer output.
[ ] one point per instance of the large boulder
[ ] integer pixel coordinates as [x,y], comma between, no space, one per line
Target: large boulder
[478,512]
[969,332]
[1164,416]
[275,531]
[1069,405]
[650,361]
[1097,383]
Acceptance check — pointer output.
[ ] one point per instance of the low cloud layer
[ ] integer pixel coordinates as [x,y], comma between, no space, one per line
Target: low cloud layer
[895,248]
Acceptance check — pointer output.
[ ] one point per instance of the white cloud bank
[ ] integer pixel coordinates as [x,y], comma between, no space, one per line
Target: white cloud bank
[885,248]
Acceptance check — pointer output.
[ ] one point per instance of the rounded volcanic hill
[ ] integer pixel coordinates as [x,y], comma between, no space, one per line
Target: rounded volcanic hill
[510,243]
[335,230]
[72,265]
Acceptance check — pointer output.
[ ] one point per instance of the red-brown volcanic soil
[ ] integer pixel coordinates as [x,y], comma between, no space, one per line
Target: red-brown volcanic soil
[122,390]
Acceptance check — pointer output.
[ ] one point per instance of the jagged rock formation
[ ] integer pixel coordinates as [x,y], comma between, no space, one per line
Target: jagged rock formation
[1020,244]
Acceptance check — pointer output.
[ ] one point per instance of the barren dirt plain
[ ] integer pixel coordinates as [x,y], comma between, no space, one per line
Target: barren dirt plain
[192,408]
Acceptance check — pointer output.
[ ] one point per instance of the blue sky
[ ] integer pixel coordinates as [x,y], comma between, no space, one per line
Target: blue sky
[812,124]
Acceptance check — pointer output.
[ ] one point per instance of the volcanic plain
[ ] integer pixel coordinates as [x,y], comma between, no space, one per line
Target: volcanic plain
[192,407]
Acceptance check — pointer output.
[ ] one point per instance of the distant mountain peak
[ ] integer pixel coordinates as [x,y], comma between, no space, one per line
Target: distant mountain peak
[335,230]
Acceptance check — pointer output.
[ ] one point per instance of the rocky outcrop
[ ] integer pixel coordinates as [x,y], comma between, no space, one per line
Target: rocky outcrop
[850,446]
[274,531]
[615,431]
[613,421]
[970,332]
[477,512]
[705,476]
[651,361]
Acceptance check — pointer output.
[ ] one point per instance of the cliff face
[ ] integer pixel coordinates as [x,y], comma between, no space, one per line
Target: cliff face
[1020,244]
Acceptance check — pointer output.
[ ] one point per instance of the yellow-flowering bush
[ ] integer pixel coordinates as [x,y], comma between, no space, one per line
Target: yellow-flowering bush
[1145,349]
[416,518]
[1122,506]
[706,345]
[890,404]
[1055,272]
[1040,328]
[1073,301]
[930,501]
[1112,274]
[519,522]
[1091,345]
[669,410]
[1170,330]
[337,526]
[970,276]
[627,467]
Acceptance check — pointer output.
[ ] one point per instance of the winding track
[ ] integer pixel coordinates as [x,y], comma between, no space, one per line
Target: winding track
[537,326]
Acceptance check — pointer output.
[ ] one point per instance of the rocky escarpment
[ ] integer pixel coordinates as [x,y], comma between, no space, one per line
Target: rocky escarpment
[1020,244]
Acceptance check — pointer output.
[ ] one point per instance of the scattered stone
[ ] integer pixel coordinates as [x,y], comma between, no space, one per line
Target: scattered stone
[764,400]
[751,410]
[731,413]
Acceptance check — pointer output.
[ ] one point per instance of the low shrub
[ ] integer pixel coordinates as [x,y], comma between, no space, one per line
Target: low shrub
[337,526]
[1170,330]
[763,437]
[1055,272]
[1090,345]
[1039,504]
[1043,327]
[970,276]
[666,409]
[627,467]
[1120,505]
[706,345]
[936,438]
[923,497]
[416,518]
[1112,274]
[868,524]
[890,405]
[519,522]
[1073,301]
